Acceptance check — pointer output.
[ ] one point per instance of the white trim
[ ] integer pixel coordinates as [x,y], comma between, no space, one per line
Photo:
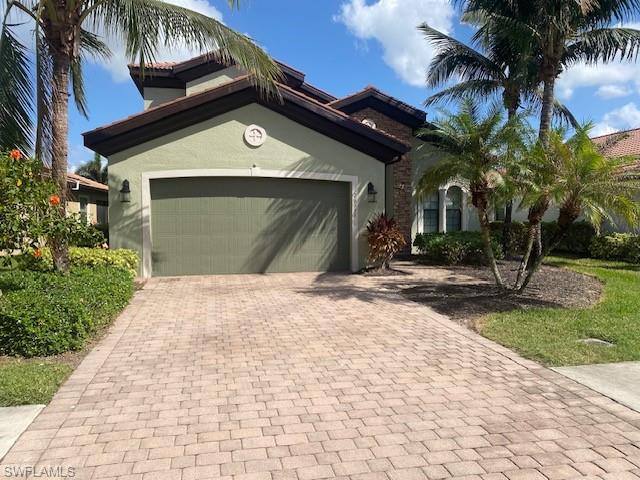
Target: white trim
[147,241]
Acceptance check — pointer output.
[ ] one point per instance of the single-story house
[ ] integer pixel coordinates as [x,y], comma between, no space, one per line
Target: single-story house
[88,198]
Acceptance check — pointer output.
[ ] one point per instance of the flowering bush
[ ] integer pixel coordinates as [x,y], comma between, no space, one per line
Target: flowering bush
[26,213]
[30,212]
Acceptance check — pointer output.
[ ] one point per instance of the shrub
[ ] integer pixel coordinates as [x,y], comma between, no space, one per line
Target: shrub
[577,240]
[454,248]
[45,313]
[617,246]
[518,238]
[385,239]
[91,257]
[83,234]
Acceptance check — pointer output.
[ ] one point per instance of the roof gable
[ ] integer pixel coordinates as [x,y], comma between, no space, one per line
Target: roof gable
[192,109]
[371,97]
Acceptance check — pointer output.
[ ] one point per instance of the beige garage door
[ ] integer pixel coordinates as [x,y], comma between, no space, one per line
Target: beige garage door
[219,225]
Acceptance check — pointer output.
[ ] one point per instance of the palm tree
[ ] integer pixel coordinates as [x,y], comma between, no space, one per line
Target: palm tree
[473,146]
[575,176]
[562,33]
[508,68]
[94,170]
[63,38]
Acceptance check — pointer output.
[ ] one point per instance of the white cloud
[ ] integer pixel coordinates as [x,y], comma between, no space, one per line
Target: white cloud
[623,75]
[393,24]
[614,91]
[625,117]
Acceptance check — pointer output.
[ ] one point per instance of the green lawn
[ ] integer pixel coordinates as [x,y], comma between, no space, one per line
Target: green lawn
[24,382]
[551,336]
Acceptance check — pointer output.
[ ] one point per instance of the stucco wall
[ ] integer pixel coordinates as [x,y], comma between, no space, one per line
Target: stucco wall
[154,96]
[214,79]
[219,143]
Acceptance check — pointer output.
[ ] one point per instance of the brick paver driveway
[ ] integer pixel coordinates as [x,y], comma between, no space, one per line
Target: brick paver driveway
[301,377]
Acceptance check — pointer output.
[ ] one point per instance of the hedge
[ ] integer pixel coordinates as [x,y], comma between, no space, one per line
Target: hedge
[454,248]
[577,240]
[617,246]
[92,257]
[45,313]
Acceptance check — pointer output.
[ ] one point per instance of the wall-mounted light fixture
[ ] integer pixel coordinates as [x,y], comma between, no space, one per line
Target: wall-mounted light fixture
[371,193]
[125,192]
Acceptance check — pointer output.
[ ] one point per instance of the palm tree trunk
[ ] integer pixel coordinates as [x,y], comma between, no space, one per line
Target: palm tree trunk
[569,213]
[548,96]
[511,102]
[506,229]
[485,231]
[59,149]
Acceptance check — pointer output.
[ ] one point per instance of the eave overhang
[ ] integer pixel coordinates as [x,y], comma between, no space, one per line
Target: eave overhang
[189,110]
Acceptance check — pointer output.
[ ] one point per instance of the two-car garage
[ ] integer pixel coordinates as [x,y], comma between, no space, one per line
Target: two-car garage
[214,225]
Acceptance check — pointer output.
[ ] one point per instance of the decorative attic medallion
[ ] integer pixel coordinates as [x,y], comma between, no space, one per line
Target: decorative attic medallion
[369,123]
[255,135]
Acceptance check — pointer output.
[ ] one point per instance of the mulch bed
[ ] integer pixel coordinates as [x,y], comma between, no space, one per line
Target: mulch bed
[466,293]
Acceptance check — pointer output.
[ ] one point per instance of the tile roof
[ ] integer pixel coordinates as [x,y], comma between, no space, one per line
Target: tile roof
[619,144]
[625,143]
[86,182]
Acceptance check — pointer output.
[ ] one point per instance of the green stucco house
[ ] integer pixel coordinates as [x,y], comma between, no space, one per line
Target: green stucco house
[213,177]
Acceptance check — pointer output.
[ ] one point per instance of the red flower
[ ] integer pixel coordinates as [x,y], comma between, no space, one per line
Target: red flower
[54,200]
[15,154]
[37,253]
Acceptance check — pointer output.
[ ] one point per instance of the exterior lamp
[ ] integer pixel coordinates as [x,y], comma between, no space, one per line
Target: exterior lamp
[371,193]
[125,192]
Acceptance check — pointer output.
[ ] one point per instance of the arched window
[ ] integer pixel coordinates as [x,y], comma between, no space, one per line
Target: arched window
[430,222]
[454,209]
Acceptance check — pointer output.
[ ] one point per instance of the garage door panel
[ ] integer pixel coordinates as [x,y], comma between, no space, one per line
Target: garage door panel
[248,225]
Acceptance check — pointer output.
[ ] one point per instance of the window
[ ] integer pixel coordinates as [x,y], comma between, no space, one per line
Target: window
[430,220]
[454,209]
[102,212]
[84,205]
[500,213]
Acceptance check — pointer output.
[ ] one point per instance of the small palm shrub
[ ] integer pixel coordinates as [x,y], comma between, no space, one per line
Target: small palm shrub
[385,240]
[455,248]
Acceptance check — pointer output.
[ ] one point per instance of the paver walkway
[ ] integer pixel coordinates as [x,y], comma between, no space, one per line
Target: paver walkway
[299,376]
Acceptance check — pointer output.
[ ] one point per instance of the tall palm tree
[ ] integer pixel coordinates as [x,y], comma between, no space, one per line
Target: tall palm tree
[563,33]
[576,177]
[472,146]
[94,169]
[64,36]
[508,68]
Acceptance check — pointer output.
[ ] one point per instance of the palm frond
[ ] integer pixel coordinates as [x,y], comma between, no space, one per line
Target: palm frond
[145,25]
[16,100]
[477,89]
[454,58]
[604,45]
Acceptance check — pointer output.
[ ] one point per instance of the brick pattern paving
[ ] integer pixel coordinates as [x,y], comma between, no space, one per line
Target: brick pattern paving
[299,376]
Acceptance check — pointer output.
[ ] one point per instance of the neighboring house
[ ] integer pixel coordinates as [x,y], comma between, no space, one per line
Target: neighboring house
[88,198]
[213,177]
[621,144]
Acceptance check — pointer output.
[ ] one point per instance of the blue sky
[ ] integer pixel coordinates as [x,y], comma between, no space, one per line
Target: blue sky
[344,45]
